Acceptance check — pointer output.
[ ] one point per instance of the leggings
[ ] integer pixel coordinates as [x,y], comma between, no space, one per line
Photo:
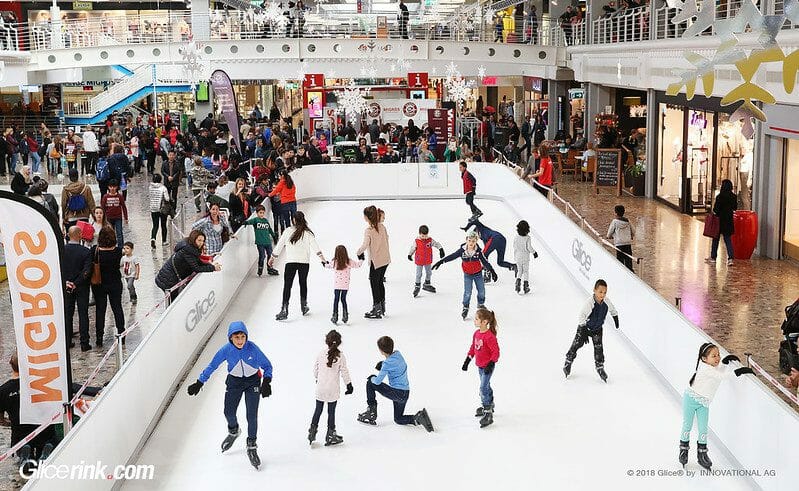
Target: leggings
[103,296]
[691,407]
[288,280]
[339,295]
[331,414]
[376,276]
[158,218]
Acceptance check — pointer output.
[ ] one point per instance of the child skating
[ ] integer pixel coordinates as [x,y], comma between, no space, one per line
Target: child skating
[592,318]
[472,262]
[485,351]
[330,366]
[264,237]
[469,188]
[249,372]
[342,265]
[421,254]
[522,248]
[396,390]
[697,398]
[492,241]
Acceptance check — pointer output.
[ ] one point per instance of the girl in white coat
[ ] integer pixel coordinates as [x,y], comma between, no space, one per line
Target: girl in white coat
[330,366]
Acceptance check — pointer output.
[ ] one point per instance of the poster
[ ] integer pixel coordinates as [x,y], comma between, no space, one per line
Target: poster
[442,122]
[51,97]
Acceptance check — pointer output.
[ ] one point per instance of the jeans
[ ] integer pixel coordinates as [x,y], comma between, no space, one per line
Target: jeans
[398,396]
[12,164]
[277,217]
[477,279]
[376,276]
[264,252]
[288,280]
[287,211]
[714,247]
[79,296]
[117,224]
[131,287]
[89,163]
[581,338]
[35,161]
[470,202]
[497,243]
[486,392]
[157,219]
[623,255]
[427,273]
[104,295]
[249,387]
[331,414]
[342,296]
[691,407]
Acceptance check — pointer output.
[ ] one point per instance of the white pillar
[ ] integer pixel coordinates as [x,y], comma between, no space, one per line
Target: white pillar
[200,20]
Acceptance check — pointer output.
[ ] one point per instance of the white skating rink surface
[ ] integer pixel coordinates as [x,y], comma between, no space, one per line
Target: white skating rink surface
[548,432]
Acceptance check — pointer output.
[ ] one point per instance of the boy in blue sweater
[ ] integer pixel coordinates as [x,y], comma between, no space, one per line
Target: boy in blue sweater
[249,372]
[592,318]
[397,389]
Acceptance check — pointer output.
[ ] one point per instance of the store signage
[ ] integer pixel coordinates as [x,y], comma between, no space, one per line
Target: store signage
[417,79]
[401,110]
[82,6]
[576,94]
[608,169]
[491,80]
[374,110]
[330,117]
[535,84]
[313,80]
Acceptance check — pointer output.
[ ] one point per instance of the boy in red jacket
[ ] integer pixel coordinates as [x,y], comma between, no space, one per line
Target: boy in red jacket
[485,351]
[421,254]
[469,188]
[113,204]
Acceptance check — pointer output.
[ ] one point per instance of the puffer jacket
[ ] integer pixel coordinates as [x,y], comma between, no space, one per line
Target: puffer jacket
[184,262]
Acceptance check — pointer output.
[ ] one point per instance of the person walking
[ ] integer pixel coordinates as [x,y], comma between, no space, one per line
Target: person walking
[109,290]
[724,208]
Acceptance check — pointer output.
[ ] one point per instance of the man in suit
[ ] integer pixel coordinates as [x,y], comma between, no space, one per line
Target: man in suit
[76,270]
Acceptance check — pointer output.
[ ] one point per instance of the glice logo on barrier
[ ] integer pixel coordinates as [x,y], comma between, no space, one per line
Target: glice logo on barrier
[200,311]
[32,469]
[581,256]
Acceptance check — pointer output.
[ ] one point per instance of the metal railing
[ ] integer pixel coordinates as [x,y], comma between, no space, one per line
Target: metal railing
[623,26]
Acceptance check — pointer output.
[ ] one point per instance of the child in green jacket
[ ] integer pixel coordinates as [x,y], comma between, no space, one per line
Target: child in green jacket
[264,235]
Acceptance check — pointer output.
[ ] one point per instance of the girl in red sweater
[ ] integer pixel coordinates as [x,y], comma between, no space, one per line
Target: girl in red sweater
[485,350]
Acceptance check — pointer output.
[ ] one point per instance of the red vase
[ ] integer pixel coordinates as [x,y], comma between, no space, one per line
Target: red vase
[744,239]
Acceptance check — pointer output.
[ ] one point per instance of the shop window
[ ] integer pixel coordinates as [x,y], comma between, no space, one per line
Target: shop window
[670,153]
[791,235]
[699,154]
[735,155]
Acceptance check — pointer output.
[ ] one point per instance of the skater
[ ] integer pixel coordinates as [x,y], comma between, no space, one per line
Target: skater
[299,241]
[485,351]
[264,235]
[492,241]
[330,366]
[698,396]
[522,247]
[343,265]
[473,262]
[469,188]
[421,253]
[375,240]
[397,389]
[248,369]
[622,234]
[592,318]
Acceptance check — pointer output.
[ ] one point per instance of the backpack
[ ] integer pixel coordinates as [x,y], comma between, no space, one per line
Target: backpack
[102,170]
[77,202]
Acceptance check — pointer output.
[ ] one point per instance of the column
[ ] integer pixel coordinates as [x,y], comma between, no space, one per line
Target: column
[766,192]
[200,20]
[596,98]
[651,150]
[558,110]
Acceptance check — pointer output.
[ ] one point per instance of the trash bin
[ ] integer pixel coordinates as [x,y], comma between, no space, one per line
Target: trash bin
[744,239]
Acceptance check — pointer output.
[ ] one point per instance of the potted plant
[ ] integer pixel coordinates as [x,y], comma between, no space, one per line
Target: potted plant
[636,174]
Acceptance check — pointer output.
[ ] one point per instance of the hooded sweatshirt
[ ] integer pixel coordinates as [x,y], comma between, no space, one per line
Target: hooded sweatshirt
[244,362]
[621,231]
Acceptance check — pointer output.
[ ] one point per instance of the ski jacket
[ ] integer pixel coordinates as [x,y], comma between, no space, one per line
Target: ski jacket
[244,362]
[422,251]
[593,314]
[484,348]
[327,377]
[395,368]
[469,182]
[470,264]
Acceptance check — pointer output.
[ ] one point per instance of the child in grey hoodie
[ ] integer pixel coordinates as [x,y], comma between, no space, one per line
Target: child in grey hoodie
[622,233]
[522,248]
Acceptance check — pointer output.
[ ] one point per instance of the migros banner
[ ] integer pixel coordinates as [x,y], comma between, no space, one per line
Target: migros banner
[33,246]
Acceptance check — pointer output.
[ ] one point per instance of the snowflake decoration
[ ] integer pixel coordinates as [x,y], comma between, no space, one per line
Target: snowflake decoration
[368,68]
[452,70]
[274,15]
[330,74]
[481,72]
[193,65]
[458,88]
[302,70]
[352,100]
[393,67]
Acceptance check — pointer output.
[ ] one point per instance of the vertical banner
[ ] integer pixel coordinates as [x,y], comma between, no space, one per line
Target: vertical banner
[51,97]
[33,250]
[226,98]
[439,120]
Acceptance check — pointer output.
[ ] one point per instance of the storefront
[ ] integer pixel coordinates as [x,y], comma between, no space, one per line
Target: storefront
[697,148]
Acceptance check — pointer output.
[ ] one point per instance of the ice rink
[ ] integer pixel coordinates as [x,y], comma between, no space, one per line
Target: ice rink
[548,432]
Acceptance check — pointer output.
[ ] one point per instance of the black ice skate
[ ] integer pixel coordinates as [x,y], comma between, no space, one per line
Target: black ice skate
[374,313]
[428,287]
[683,453]
[701,456]
[476,215]
[272,272]
[416,289]
[518,285]
[526,287]
[488,417]
[567,368]
[486,277]
[383,308]
[312,434]
[481,410]
[334,319]
[369,416]
[230,438]
[465,311]
[345,316]
[602,374]
[422,418]
[304,307]
[284,313]
[332,438]
[252,453]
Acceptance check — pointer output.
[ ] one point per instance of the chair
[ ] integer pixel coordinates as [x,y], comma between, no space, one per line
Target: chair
[590,168]
[570,164]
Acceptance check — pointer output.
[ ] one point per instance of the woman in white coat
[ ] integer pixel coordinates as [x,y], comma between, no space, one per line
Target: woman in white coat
[330,366]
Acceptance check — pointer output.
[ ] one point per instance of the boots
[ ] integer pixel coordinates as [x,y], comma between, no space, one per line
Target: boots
[701,456]
[422,418]
[567,368]
[526,287]
[488,416]
[284,313]
[416,289]
[304,307]
[252,453]
[345,316]
[260,271]
[332,438]
[518,285]
[334,319]
[428,287]
[369,416]
[230,438]
[683,458]
[375,313]
[481,410]
[312,433]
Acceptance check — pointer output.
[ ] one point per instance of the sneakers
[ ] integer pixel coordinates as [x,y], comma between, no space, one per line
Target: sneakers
[710,260]
[729,262]
[133,300]
[164,244]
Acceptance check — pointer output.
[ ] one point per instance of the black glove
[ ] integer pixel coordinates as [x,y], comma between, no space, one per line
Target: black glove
[266,387]
[410,257]
[727,359]
[466,364]
[379,366]
[535,255]
[441,253]
[194,388]
[494,275]
[489,368]
[616,321]
[362,256]
[349,389]
[438,264]
[740,371]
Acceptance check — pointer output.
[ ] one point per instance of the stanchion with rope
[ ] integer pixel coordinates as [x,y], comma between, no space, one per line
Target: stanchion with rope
[751,363]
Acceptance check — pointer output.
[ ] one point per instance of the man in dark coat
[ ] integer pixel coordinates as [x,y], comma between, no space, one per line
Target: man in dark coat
[76,270]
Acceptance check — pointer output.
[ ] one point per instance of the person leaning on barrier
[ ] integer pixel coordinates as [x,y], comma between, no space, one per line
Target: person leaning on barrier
[183,263]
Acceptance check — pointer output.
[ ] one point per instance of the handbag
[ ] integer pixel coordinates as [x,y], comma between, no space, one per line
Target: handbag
[711,226]
[166,208]
[97,277]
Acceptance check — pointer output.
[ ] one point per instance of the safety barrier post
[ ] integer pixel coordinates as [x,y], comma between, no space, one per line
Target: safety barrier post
[639,261]
[120,357]
[678,303]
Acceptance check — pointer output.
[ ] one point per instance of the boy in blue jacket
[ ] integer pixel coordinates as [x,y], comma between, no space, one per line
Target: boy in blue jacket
[397,389]
[246,365]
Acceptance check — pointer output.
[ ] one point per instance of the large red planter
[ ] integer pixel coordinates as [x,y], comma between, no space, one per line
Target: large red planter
[744,239]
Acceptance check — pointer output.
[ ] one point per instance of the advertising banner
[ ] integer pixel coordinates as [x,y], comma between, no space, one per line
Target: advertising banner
[441,120]
[51,97]
[223,91]
[399,111]
[33,250]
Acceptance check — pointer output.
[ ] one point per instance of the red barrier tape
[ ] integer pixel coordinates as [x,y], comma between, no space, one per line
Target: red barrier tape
[757,368]
[11,451]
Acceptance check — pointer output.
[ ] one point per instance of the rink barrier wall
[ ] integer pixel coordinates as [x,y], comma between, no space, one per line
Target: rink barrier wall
[127,411]
[757,428]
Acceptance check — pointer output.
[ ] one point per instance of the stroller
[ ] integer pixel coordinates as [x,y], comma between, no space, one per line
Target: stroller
[790,330]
